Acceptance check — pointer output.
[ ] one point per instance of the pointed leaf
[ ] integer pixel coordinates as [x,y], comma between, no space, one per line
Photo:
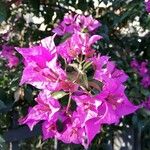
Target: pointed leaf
[85,80]
[59,94]
[2,105]
[87,65]
[3,12]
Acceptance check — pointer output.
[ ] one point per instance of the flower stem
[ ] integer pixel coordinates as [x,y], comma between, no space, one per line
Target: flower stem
[78,75]
[69,102]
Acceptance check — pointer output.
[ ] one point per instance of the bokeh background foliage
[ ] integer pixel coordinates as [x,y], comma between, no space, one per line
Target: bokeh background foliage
[125,30]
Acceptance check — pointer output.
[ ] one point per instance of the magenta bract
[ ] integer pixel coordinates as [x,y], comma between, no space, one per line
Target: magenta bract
[147,5]
[143,71]
[74,23]
[8,53]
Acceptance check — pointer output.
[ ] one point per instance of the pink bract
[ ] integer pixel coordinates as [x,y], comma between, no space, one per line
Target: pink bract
[78,44]
[147,4]
[143,71]
[146,104]
[116,98]
[41,69]
[8,53]
[105,70]
[72,23]
[46,109]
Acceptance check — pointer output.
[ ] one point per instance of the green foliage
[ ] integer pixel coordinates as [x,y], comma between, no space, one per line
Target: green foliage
[3,11]
[3,145]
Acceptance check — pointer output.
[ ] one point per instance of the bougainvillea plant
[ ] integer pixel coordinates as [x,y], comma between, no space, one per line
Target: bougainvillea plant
[141,68]
[80,90]
[143,71]
[8,53]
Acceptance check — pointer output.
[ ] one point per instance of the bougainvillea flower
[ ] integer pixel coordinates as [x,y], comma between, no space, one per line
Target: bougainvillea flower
[45,109]
[8,53]
[78,132]
[113,94]
[92,127]
[105,70]
[49,44]
[49,129]
[146,81]
[73,133]
[147,4]
[134,64]
[84,128]
[143,71]
[106,115]
[78,43]
[57,125]
[81,23]
[88,42]
[146,104]
[41,68]
[67,85]
[87,106]
[70,48]
[66,26]
[87,22]
[37,54]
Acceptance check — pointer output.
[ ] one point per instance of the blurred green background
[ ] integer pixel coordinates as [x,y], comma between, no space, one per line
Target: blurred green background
[125,30]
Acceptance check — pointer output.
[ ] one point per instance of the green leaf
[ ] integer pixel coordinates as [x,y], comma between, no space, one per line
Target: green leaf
[135,120]
[85,80]
[65,37]
[77,67]
[2,105]
[3,12]
[59,125]
[35,5]
[105,2]
[87,65]
[1,139]
[59,94]
[82,4]
[145,92]
[3,145]
[28,94]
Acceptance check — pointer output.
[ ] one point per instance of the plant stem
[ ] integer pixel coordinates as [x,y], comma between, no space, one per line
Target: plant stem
[69,102]
[76,77]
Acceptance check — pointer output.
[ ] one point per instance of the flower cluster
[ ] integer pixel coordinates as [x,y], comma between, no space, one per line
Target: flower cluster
[143,71]
[79,89]
[8,53]
[72,23]
[147,4]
